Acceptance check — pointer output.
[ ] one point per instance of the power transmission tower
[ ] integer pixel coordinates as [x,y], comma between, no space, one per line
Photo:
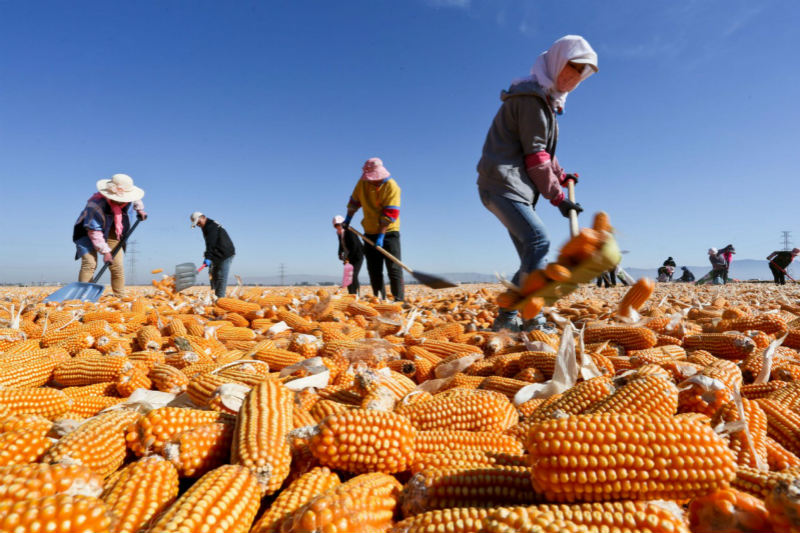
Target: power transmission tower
[786,239]
[131,253]
[282,271]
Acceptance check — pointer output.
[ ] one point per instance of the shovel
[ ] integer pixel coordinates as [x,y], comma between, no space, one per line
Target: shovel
[91,291]
[429,280]
[186,275]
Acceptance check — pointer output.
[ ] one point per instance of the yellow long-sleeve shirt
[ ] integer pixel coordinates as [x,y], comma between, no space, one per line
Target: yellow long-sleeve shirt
[380,202]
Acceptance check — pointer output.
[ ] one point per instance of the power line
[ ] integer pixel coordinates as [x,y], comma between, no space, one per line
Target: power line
[786,239]
[131,253]
[282,272]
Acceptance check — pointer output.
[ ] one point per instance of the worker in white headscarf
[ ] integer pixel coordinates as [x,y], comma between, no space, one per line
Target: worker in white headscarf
[519,156]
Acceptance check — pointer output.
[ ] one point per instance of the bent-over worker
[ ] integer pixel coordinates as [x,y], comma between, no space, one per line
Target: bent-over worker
[219,251]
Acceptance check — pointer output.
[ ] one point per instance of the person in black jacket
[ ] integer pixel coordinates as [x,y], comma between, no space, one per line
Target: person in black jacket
[219,251]
[350,251]
[687,275]
[778,263]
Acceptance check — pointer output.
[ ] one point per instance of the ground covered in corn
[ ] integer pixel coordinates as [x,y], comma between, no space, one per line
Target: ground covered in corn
[306,410]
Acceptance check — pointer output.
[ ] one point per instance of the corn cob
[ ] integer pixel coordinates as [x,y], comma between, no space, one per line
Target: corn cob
[89,370]
[30,369]
[507,386]
[448,440]
[98,443]
[647,394]
[505,520]
[260,438]
[142,491]
[657,355]
[237,306]
[783,425]
[721,344]
[478,487]
[530,375]
[636,296]
[457,519]
[90,406]
[617,517]
[146,360]
[49,403]
[22,446]
[760,483]
[277,358]
[463,381]
[153,430]
[149,338]
[233,333]
[55,514]
[745,445]
[471,410]
[167,378]
[224,500]
[769,323]
[629,337]
[587,458]
[575,400]
[131,380]
[198,450]
[299,493]
[37,423]
[365,503]
[778,457]
[33,481]
[361,441]
[465,459]
[728,510]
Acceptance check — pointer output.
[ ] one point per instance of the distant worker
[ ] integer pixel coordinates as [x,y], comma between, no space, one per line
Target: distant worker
[779,262]
[670,262]
[379,195]
[102,223]
[718,266]
[219,252]
[687,275]
[350,251]
[665,273]
[727,255]
[608,278]
[518,162]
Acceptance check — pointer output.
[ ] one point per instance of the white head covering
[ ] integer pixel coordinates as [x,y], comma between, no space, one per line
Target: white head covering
[338,219]
[712,251]
[194,217]
[120,188]
[551,62]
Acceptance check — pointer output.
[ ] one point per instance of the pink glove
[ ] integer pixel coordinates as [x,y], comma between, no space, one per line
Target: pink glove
[107,257]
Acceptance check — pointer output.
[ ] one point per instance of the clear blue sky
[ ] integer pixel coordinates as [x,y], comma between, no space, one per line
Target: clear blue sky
[261,114]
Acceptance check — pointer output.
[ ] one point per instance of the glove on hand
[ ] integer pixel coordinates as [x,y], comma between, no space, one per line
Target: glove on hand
[141,215]
[573,177]
[346,222]
[566,206]
[379,240]
[207,262]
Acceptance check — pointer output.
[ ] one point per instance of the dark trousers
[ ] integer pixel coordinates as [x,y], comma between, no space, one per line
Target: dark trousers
[355,285]
[778,274]
[375,261]
[219,276]
[608,278]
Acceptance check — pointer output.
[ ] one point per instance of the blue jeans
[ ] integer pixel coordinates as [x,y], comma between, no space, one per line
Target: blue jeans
[219,276]
[526,230]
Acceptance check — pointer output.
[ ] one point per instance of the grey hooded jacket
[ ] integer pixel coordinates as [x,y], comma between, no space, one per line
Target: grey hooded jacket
[525,124]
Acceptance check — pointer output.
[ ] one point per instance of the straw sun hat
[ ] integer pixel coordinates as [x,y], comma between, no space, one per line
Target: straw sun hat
[120,188]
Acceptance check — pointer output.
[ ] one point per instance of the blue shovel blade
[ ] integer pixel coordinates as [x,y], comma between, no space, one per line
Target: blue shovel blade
[87,292]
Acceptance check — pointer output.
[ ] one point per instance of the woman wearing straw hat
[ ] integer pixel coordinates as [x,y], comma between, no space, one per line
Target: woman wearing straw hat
[519,163]
[101,225]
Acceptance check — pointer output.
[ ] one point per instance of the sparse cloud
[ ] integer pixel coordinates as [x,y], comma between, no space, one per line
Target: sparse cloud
[458,4]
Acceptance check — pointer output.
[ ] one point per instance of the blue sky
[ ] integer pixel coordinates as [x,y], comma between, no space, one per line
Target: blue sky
[261,115]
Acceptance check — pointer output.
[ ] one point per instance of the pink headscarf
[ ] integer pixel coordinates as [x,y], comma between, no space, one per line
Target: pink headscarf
[116,209]
[373,170]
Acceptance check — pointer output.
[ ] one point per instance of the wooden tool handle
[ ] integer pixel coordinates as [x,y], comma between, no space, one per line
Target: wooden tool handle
[381,250]
[573,215]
